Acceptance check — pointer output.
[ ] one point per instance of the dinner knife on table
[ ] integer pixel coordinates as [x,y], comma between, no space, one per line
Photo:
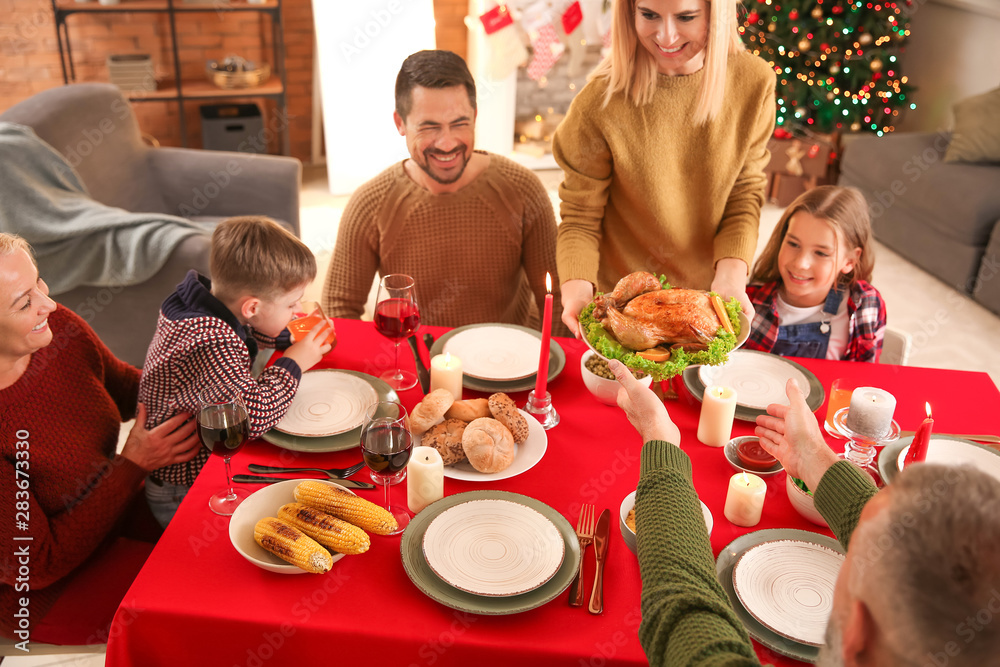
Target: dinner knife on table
[601,550]
[422,375]
[259,479]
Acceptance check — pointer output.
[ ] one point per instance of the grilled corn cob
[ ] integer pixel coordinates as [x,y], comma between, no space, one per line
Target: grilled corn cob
[331,532]
[292,545]
[345,505]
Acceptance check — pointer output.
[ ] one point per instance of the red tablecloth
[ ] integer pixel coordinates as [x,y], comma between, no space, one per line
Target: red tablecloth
[197,601]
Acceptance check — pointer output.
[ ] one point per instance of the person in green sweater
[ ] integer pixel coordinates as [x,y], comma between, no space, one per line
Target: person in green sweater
[920,584]
[663,154]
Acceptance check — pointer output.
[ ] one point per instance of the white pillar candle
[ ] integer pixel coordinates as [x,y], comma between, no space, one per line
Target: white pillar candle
[718,407]
[424,478]
[446,373]
[871,412]
[745,499]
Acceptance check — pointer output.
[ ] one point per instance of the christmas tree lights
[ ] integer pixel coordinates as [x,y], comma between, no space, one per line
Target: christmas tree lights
[837,61]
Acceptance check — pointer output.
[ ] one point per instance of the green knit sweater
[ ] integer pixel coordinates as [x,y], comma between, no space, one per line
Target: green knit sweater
[686,617]
[646,189]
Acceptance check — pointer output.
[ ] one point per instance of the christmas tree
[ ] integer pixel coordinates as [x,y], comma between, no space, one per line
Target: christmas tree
[837,61]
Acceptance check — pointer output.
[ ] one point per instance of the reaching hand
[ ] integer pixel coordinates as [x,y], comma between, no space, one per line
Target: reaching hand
[731,281]
[576,294]
[174,441]
[310,350]
[643,408]
[791,434]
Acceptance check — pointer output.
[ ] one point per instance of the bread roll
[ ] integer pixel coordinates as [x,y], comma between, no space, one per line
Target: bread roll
[488,445]
[430,411]
[446,438]
[505,412]
[474,408]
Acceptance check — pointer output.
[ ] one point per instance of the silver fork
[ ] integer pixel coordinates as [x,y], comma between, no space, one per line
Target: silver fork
[332,473]
[584,533]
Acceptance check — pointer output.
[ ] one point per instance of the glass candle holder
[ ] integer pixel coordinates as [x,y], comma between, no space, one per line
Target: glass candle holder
[542,409]
[860,448]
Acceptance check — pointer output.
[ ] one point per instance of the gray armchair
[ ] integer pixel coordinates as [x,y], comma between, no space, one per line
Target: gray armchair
[94,128]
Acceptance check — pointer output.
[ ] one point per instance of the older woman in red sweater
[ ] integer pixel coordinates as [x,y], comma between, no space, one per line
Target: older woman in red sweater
[63,396]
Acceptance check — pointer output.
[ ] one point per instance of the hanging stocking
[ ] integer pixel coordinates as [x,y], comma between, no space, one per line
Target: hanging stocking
[505,49]
[545,44]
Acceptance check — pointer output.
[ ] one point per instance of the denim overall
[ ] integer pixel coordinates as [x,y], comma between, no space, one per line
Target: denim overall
[811,339]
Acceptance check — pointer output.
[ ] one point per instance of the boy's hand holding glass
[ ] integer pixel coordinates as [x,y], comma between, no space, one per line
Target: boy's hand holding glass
[312,340]
[309,316]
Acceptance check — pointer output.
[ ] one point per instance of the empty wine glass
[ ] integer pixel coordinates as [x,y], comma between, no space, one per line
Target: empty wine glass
[223,426]
[397,317]
[386,445]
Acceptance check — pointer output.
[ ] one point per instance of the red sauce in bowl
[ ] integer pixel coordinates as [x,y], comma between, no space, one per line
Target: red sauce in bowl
[753,456]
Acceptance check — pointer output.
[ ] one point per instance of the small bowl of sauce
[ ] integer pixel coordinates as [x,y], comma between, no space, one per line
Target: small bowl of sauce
[745,454]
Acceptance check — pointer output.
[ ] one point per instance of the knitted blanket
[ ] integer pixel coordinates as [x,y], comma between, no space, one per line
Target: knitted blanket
[76,240]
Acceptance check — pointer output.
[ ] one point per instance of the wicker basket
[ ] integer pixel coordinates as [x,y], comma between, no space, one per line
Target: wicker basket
[244,79]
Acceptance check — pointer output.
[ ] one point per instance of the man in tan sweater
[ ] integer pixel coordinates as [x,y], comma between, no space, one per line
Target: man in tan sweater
[476,231]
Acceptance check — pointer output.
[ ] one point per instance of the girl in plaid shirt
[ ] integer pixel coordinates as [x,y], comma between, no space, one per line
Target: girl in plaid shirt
[810,286]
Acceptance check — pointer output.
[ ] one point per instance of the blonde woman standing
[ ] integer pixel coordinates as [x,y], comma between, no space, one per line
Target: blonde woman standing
[663,154]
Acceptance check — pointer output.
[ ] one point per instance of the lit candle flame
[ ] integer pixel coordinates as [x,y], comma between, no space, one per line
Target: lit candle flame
[746,480]
[927,406]
[548,282]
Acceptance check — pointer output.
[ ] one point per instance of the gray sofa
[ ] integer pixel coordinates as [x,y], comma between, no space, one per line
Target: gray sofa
[942,216]
[93,126]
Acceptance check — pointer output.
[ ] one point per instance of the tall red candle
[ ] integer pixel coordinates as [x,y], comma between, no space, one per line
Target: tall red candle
[542,377]
[921,440]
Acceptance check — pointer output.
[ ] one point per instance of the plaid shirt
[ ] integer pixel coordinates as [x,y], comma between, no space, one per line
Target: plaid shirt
[864,307]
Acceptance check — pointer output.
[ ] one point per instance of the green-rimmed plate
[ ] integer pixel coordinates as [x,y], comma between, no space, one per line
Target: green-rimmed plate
[557,361]
[694,383]
[943,449]
[420,573]
[331,443]
[727,560]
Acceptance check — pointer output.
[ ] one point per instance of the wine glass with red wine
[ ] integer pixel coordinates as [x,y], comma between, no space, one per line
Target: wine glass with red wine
[386,445]
[397,317]
[224,427]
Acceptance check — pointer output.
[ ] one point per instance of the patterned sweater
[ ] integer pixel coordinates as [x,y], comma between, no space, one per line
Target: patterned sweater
[646,189]
[686,617]
[198,342]
[865,308]
[59,428]
[476,255]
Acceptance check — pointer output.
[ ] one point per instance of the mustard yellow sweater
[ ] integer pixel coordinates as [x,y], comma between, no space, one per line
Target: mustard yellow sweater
[646,189]
[476,255]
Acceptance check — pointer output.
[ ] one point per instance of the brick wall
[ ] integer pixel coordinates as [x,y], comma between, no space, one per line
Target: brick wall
[29,56]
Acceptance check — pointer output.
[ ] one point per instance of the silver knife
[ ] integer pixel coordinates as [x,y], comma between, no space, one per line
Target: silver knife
[600,550]
[422,374]
[258,479]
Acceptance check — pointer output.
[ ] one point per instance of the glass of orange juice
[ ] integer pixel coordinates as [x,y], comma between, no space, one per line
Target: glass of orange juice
[310,314]
[840,397]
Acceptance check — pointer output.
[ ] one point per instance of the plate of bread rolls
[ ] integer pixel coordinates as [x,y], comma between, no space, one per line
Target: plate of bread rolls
[479,439]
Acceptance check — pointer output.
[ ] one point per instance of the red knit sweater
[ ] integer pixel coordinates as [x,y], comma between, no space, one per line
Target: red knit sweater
[66,484]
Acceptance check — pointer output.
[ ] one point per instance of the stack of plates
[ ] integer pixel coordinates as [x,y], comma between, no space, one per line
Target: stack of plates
[328,410]
[490,552]
[781,583]
[499,357]
[759,379]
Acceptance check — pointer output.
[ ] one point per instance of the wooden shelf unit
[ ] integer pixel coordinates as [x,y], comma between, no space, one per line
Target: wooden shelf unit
[178,89]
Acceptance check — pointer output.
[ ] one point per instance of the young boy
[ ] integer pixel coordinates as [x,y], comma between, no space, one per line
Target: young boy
[208,333]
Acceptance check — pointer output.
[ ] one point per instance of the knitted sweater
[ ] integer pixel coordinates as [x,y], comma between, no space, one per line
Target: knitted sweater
[59,428]
[646,189]
[476,255]
[686,617]
[198,342]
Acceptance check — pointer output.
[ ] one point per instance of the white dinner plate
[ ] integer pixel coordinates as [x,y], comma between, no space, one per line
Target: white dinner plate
[526,455]
[495,548]
[496,353]
[954,452]
[327,402]
[787,585]
[758,377]
[263,503]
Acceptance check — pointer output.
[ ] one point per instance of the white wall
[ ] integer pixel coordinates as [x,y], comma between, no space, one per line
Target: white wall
[953,53]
